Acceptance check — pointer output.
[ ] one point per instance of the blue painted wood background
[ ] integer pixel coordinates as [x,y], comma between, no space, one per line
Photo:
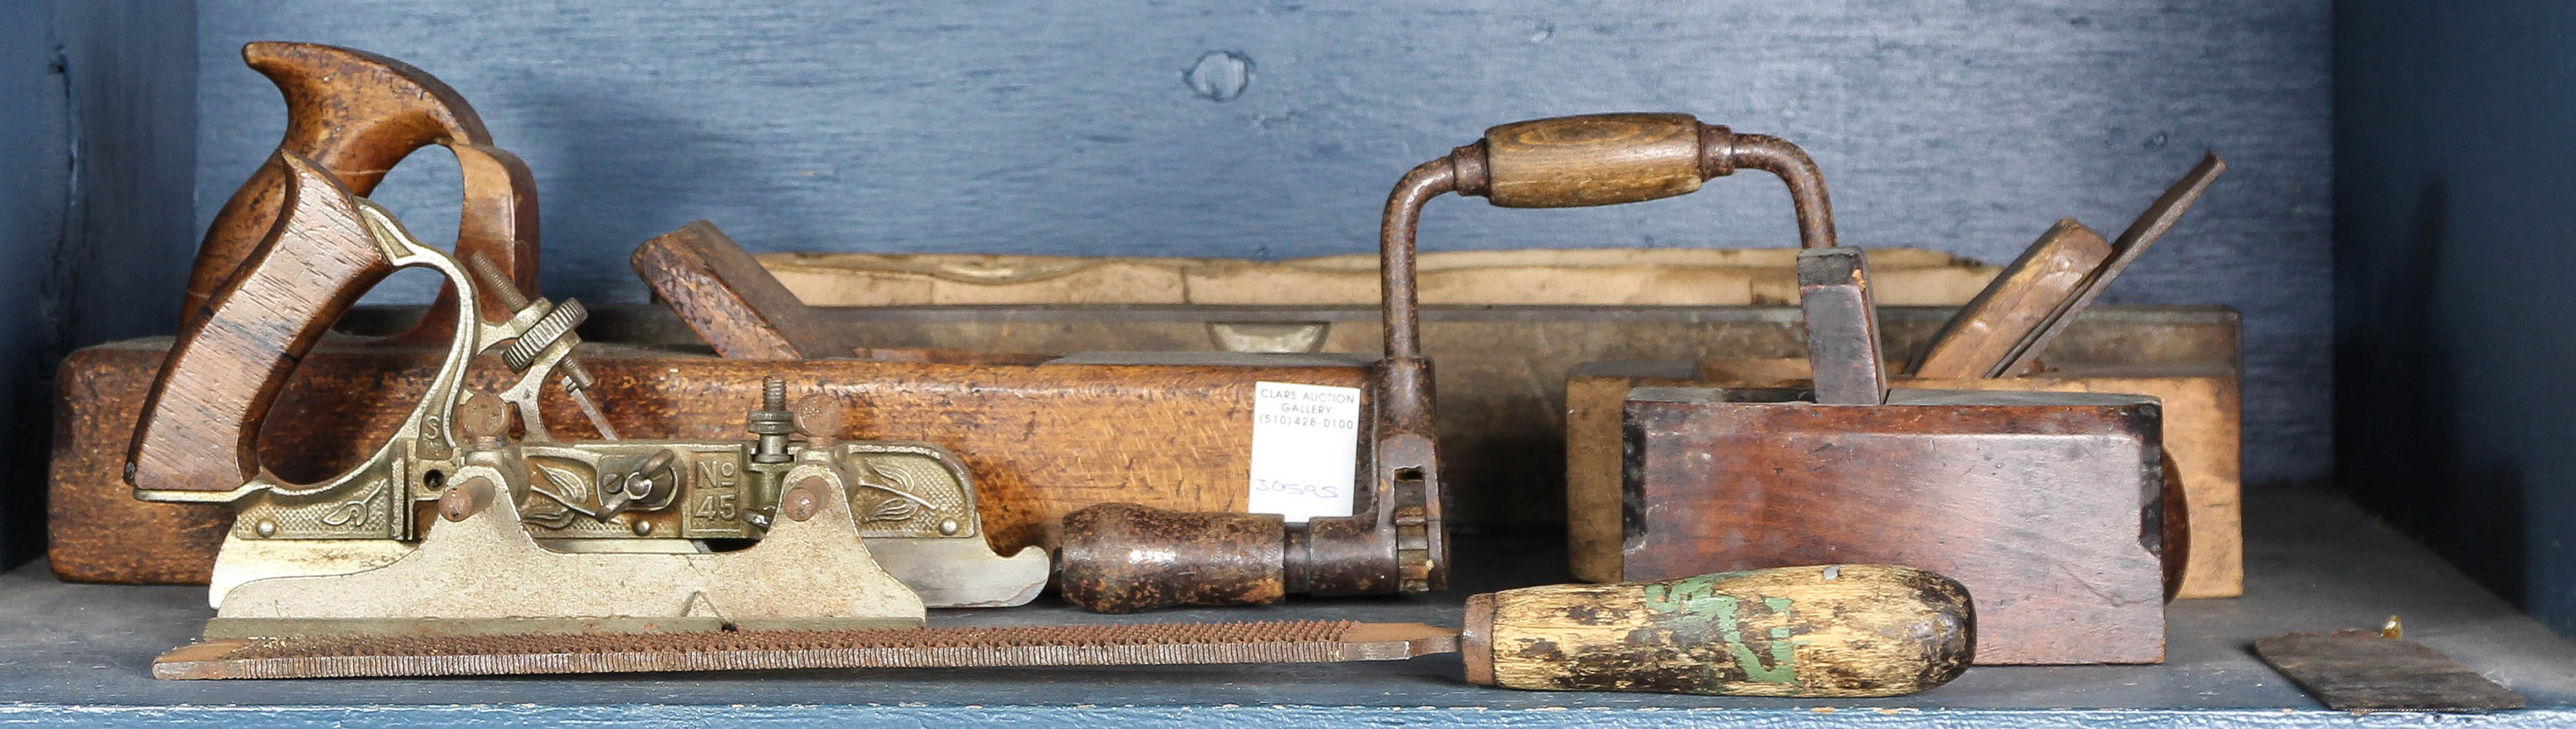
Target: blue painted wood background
[1073,127]
[95,134]
[2455,240]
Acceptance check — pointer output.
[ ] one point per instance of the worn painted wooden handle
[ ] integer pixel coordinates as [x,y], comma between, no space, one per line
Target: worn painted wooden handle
[355,115]
[202,418]
[1825,631]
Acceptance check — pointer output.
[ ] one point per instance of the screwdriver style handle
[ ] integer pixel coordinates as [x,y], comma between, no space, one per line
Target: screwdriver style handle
[200,425]
[1825,631]
[354,115]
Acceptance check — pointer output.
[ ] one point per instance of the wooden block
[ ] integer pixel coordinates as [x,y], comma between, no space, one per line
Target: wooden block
[2040,503]
[1040,441]
[2202,421]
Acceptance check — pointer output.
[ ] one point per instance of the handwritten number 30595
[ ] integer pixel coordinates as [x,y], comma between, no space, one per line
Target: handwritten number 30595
[1287,487]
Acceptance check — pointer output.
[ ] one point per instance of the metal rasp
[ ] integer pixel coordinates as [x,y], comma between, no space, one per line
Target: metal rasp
[1827,631]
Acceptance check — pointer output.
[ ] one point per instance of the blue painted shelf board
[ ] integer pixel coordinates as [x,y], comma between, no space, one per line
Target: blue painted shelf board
[76,655]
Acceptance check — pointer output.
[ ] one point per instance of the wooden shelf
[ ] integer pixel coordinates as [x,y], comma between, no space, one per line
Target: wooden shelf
[77,654]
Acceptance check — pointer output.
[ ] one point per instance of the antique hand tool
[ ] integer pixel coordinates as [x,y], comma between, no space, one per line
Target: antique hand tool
[546,534]
[1606,159]
[2003,330]
[1566,162]
[2048,506]
[2012,319]
[365,112]
[550,323]
[1825,631]
[1181,417]
[1112,558]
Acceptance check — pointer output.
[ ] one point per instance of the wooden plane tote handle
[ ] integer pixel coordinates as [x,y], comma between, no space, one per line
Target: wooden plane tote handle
[203,414]
[354,115]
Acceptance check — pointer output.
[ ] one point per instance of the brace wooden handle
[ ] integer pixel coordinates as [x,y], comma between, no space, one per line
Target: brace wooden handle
[1608,159]
[355,115]
[1599,159]
[201,419]
[1825,631]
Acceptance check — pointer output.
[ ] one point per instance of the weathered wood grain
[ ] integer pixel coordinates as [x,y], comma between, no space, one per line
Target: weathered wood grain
[2150,225]
[1530,277]
[1504,388]
[2045,505]
[2360,671]
[1040,441]
[1598,159]
[2023,298]
[729,300]
[201,424]
[355,115]
[2201,431]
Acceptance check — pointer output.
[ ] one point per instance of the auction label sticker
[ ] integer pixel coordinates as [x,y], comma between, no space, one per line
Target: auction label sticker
[1305,449]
